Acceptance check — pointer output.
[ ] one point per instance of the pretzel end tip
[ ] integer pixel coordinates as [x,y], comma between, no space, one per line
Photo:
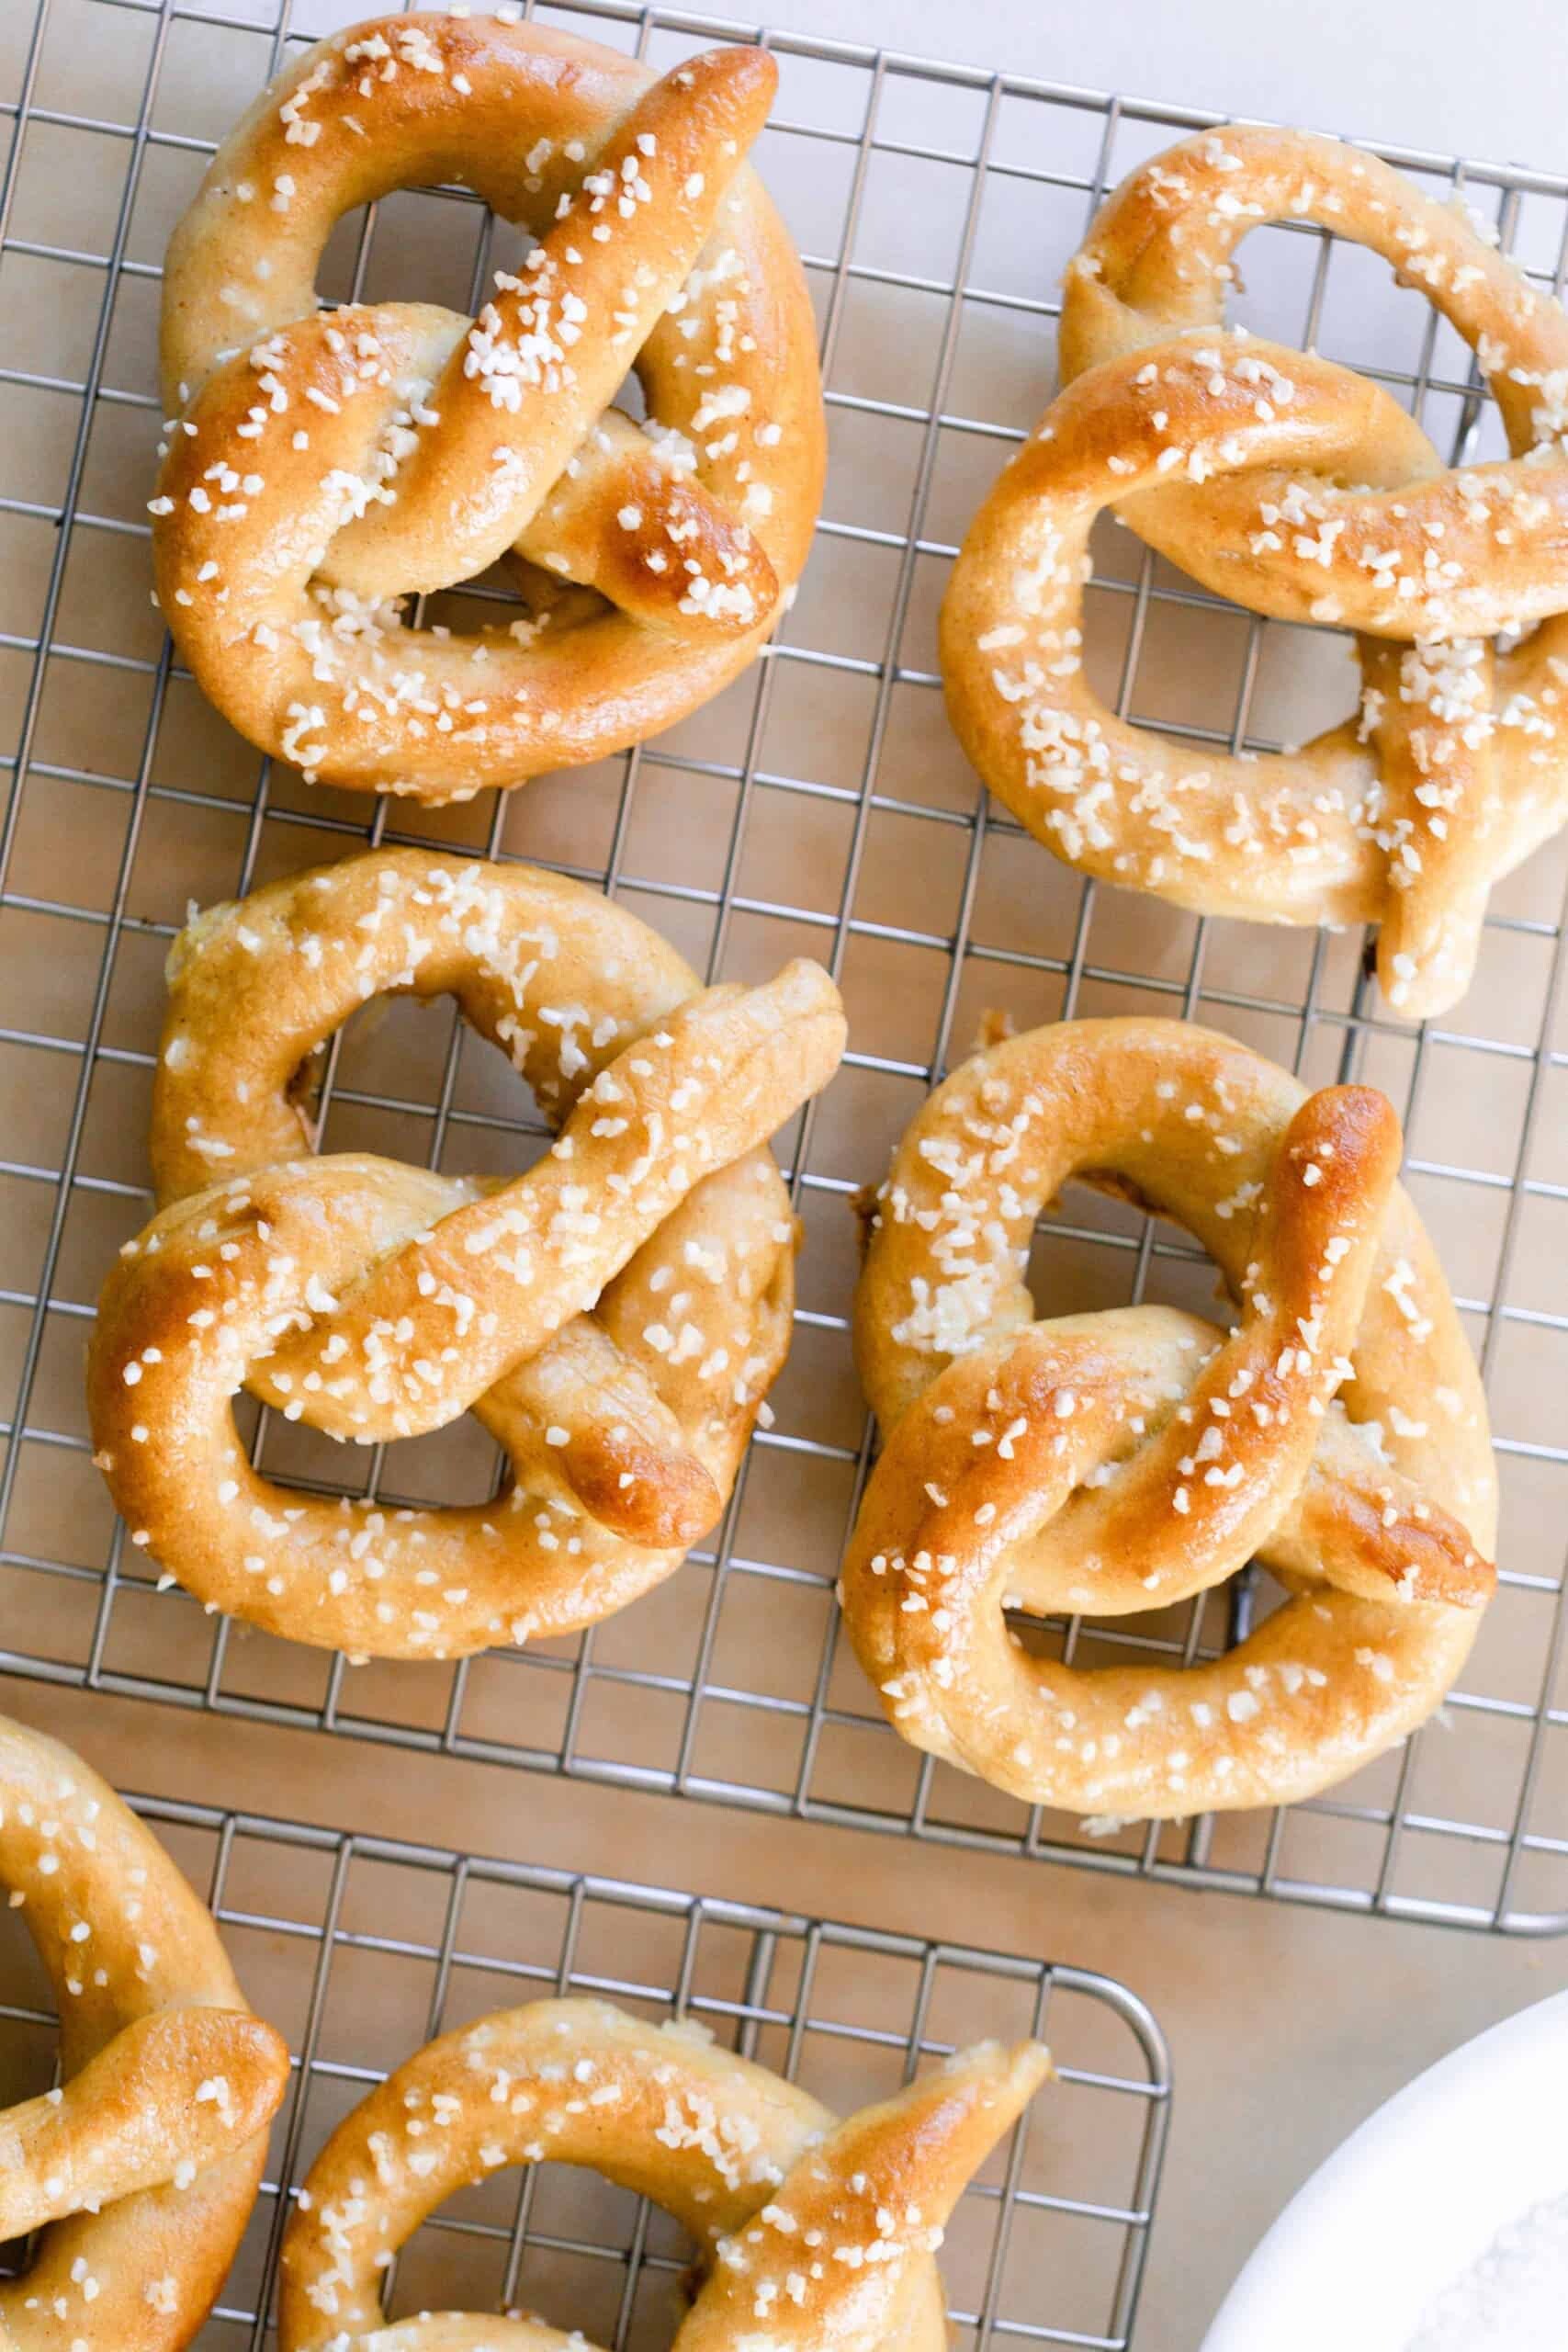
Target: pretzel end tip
[807,992]
[1002,2074]
[254,2059]
[741,76]
[1029,2065]
[662,1497]
[1345,1141]
[743,65]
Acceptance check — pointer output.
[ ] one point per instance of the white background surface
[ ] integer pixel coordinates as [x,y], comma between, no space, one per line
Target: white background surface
[1447,75]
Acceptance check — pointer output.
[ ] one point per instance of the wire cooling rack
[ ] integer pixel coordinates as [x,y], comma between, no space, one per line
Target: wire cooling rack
[820,806]
[360,1949]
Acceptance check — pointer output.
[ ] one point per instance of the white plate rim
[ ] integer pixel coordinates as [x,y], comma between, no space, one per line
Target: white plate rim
[1445,2163]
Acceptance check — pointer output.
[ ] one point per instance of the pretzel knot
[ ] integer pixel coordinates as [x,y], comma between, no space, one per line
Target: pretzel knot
[142,2168]
[614,1317]
[1305,492]
[812,2232]
[1120,1462]
[327,465]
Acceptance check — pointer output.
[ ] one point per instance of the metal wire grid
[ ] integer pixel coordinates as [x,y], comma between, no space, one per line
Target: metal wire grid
[927,904]
[359,1948]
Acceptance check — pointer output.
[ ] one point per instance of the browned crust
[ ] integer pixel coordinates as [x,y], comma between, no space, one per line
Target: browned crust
[1306,493]
[700,286]
[717,2141]
[1121,1462]
[615,1315]
[169,2081]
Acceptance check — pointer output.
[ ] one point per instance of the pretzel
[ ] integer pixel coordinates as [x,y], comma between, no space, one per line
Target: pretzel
[812,2233]
[614,1317]
[143,2167]
[1122,1461]
[320,467]
[1307,493]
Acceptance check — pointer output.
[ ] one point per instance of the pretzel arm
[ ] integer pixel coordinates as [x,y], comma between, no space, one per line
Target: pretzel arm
[522,394]
[1198,1497]
[878,2190]
[628,516]
[172,2091]
[619,1446]
[624,518]
[1358,1522]
[725,1070]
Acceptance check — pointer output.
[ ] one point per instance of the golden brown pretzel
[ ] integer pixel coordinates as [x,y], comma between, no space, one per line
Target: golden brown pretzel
[320,467]
[1304,492]
[614,1317]
[814,2235]
[142,2168]
[1122,1461]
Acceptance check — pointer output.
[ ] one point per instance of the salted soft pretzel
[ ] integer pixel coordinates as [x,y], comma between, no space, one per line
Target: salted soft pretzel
[813,2233]
[614,1317]
[143,2167]
[1122,1461]
[322,466]
[1303,492]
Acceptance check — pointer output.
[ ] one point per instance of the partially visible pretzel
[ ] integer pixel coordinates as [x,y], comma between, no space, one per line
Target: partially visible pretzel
[614,1317]
[1120,1462]
[327,466]
[143,2167]
[1304,492]
[813,2235]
